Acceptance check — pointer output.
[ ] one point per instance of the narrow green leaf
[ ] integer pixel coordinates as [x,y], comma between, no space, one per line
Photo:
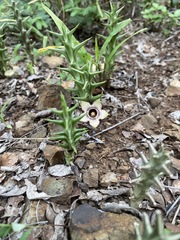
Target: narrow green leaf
[115,50]
[96,50]
[5,229]
[26,234]
[83,54]
[80,45]
[58,122]
[112,34]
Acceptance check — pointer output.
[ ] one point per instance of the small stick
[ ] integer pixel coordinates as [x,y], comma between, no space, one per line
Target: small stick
[170,187]
[175,215]
[117,124]
[105,130]
[172,206]
[24,138]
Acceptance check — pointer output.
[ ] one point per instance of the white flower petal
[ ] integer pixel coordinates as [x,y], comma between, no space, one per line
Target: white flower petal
[89,109]
[84,119]
[94,123]
[97,104]
[85,105]
[103,114]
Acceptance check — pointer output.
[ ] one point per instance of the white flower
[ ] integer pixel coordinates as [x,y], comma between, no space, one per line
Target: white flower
[93,112]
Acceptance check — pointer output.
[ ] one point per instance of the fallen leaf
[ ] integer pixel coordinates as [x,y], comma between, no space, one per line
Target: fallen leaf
[138,127]
[14,191]
[32,88]
[60,170]
[175,117]
[148,121]
[173,89]
[174,132]
[58,225]
[176,185]
[96,196]
[32,193]
[68,84]
[3,148]
[9,159]
[34,77]
[108,179]
[52,61]
[126,134]
[159,137]
[16,71]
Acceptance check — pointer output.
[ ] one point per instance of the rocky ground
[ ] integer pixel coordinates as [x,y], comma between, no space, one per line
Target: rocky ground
[89,201]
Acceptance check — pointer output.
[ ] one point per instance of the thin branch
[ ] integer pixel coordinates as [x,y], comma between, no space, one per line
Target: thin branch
[116,125]
[172,206]
[175,215]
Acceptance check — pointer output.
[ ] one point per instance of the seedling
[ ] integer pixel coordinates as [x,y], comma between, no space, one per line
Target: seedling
[86,71]
[158,17]
[24,33]
[70,135]
[152,170]
[116,38]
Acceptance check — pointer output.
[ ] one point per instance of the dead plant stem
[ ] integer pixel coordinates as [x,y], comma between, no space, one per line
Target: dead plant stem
[116,125]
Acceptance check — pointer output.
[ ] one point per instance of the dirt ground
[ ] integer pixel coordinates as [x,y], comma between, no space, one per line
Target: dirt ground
[142,99]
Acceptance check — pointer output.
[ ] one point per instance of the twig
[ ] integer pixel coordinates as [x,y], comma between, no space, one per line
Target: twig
[170,187]
[176,71]
[137,80]
[175,215]
[24,138]
[172,206]
[117,124]
[169,38]
[38,223]
[12,140]
[105,130]
[172,59]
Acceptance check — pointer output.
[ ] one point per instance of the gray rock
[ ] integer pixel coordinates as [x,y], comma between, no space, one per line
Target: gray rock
[154,102]
[54,154]
[91,177]
[80,161]
[49,96]
[88,223]
[108,179]
[41,133]
[61,189]
[91,146]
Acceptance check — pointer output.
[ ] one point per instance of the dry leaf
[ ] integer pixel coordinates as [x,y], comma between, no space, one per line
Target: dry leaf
[174,88]
[60,170]
[10,192]
[67,84]
[32,193]
[9,159]
[52,61]
[176,185]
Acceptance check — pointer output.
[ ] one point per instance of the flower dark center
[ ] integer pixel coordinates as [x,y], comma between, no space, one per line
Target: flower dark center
[93,113]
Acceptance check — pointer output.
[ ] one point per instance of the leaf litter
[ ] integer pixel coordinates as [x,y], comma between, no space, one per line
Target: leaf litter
[145,85]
